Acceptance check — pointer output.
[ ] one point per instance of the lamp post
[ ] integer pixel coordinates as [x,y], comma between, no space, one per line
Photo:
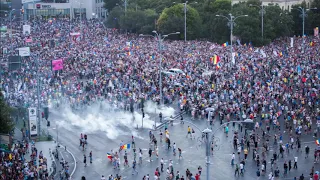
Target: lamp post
[303,15]
[185,9]
[262,12]
[10,17]
[159,38]
[231,22]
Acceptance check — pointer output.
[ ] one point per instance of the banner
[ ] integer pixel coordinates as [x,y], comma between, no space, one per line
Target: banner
[233,60]
[57,64]
[26,29]
[291,42]
[24,51]
[33,121]
[28,40]
[316,31]
[75,34]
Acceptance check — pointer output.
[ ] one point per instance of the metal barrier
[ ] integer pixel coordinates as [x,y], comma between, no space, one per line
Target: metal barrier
[176,117]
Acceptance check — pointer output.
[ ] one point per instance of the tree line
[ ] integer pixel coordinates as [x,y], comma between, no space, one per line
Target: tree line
[166,16]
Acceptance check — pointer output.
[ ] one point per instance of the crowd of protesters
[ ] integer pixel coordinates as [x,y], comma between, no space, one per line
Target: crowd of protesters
[276,84]
[23,162]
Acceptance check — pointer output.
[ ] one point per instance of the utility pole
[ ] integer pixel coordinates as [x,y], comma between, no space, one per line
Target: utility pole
[80,20]
[38,95]
[185,21]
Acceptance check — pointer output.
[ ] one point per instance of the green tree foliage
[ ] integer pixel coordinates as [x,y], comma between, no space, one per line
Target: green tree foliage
[167,16]
[6,124]
[172,20]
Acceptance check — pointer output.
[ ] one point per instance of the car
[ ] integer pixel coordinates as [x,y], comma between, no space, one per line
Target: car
[176,71]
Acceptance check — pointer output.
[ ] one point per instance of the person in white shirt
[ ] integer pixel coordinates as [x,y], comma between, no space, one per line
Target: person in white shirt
[103,178]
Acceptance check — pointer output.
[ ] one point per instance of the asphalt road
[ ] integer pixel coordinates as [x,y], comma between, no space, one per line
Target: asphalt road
[192,151]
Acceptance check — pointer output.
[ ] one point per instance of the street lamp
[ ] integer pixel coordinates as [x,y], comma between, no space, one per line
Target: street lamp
[10,17]
[262,12]
[185,18]
[303,15]
[159,38]
[231,22]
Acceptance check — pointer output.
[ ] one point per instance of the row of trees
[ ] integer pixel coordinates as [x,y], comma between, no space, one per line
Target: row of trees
[166,16]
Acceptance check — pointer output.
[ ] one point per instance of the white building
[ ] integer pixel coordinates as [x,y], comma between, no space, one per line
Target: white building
[64,8]
[284,4]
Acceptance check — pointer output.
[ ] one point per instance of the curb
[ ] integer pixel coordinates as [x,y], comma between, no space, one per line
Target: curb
[75,163]
[74,159]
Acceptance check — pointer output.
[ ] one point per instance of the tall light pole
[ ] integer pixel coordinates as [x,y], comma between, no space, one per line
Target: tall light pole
[231,22]
[159,38]
[185,9]
[185,21]
[303,15]
[80,20]
[38,94]
[10,16]
[262,12]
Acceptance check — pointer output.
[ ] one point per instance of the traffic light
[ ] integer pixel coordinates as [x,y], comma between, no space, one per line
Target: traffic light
[142,114]
[46,113]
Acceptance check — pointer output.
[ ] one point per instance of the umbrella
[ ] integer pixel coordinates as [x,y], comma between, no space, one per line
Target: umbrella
[317,172]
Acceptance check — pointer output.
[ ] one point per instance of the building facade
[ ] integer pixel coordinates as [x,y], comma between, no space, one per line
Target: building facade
[284,4]
[63,9]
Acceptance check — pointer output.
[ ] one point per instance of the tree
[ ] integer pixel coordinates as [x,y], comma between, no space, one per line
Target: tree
[110,4]
[113,20]
[172,20]
[6,123]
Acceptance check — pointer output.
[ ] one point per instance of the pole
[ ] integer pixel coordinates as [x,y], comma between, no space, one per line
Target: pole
[231,29]
[262,13]
[57,134]
[38,95]
[303,20]
[207,132]
[80,21]
[160,66]
[34,10]
[10,16]
[185,21]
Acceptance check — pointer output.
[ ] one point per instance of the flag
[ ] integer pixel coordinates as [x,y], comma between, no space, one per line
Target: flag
[57,64]
[225,44]
[216,59]
[317,142]
[126,146]
[311,43]
[218,66]
[211,59]
[109,156]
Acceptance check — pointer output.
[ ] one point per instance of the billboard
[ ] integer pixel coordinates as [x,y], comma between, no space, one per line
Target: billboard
[14,63]
[33,121]
[26,29]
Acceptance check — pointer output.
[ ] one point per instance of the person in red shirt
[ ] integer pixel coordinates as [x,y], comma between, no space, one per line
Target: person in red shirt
[197,176]
[315,176]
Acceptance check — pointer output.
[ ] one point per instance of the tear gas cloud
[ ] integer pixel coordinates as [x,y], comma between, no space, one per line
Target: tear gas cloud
[102,117]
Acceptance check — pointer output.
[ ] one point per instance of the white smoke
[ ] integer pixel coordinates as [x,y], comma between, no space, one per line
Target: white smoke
[103,118]
[151,107]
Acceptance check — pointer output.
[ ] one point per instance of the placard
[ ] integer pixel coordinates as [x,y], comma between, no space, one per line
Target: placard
[33,121]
